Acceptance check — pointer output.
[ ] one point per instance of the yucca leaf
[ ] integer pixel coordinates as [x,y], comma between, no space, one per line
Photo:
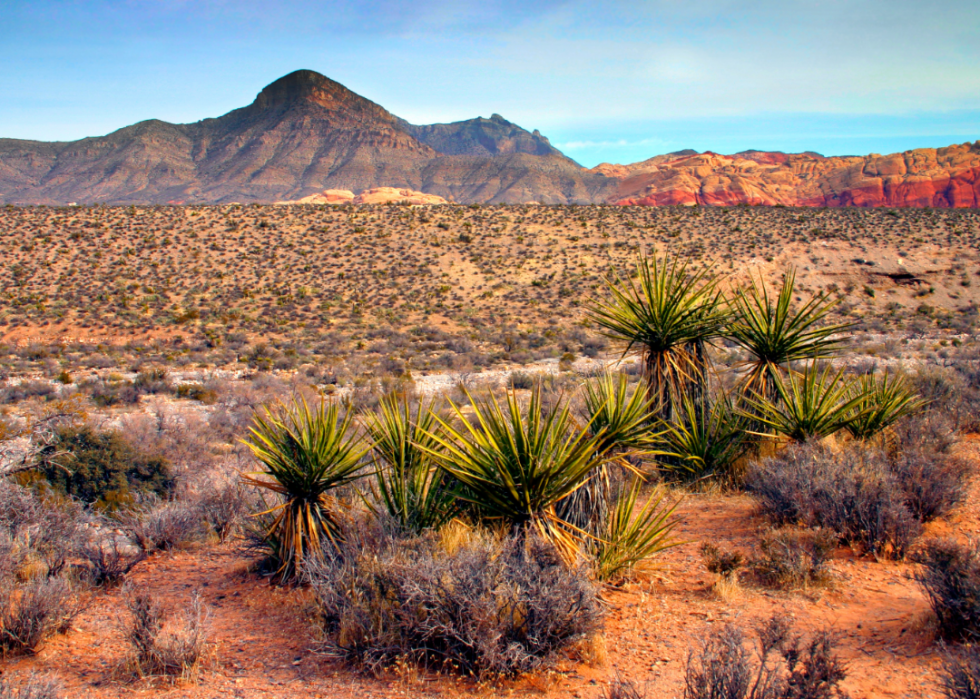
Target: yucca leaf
[666,318]
[882,402]
[306,453]
[514,465]
[632,536]
[699,444]
[809,405]
[411,487]
[776,335]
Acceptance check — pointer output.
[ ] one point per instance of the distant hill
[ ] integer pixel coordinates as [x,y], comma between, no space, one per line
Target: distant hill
[305,135]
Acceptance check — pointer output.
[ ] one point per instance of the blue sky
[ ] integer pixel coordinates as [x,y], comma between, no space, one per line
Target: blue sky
[611,81]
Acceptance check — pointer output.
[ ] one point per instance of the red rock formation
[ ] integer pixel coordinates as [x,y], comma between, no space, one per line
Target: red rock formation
[939,177]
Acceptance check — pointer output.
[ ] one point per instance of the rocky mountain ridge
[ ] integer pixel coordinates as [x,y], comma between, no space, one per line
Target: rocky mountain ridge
[306,136]
[303,134]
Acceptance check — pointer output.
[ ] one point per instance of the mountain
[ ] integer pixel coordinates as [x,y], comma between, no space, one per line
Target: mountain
[307,136]
[303,134]
[486,137]
[938,177]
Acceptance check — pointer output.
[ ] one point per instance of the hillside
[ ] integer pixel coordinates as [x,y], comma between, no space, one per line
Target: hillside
[310,272]
[303,134]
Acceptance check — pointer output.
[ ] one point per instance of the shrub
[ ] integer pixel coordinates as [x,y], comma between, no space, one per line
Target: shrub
[28,389]
[46,528]
[32,612]
[33,687]
[783,667]
[795,558]
[102,468]
[108,393]
[487,608]
[223,509]
[851,492]
[621,688]
[723,562]
[960,674]
[166,647]
[152,381]
[163,526]
[196,391]
[950,577]
[933,484]
[108,563]
[521,380]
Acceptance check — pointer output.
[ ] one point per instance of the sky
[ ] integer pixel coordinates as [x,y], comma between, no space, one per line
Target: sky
[605,81]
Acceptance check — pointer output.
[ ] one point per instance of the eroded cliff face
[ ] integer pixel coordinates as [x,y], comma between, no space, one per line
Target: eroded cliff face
[938,177]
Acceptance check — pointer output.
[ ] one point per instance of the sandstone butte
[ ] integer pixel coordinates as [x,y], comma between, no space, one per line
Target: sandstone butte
[938,177]
[377,195]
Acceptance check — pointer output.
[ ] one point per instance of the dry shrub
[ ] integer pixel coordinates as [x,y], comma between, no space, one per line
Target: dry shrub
[723,562]
[166,647]
[107,563]
[932,479]
[783,666]
[162,526]
[32,612]
[793,558]
[223,508]
[960,674]
[492,608]
[852,492]
[34,686]
[950,577]
[181,438]
[44,529]
[622,688]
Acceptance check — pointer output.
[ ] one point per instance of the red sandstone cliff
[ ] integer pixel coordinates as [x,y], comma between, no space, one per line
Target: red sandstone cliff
[940,177]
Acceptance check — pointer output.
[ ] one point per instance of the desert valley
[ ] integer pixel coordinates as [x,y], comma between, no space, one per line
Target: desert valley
[308,401]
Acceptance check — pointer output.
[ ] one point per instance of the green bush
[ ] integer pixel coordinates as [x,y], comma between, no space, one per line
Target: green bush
[102,468]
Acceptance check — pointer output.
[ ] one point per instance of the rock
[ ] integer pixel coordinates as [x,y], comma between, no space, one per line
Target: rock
[327,196]
[385,195]
[937,177]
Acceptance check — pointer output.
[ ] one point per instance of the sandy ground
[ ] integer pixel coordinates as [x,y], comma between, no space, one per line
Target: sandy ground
[261,638]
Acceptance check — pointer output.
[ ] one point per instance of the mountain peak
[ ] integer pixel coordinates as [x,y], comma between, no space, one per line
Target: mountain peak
[307,86]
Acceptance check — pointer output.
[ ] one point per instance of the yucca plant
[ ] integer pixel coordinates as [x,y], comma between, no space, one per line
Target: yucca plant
[512,466]
[666,317]
[775,334]
[632,535]
[409,485]
[307,453]
[698,445]
[883,401]
[620,415]
[809,405]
